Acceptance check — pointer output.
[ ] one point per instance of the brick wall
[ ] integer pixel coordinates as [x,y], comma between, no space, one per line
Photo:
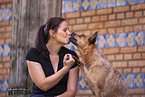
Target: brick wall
[129,60]
[5,40]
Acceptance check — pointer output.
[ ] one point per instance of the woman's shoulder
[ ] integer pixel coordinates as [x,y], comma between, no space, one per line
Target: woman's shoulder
[32,54]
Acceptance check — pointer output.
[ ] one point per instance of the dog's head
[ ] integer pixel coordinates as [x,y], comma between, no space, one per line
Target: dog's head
[82,40]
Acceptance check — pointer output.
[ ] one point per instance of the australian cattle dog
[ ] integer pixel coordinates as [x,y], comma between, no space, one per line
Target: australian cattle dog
[97,71]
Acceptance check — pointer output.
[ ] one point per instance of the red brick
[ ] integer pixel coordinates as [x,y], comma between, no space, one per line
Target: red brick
[136,70]
[72,21]
[143,27]
[102,31]
[4,94]
[138,6]
[8,29]
[111,57]
[119,57]
[112,23]
[141,20]
[4,1]
[95,18]
[119,70]
[112,16]
[143,56]
[104,18]
[7,35]
[3,6]
[128,28]
[9,5]
[63,16]
[95,25]
[1,78]
[121,9]
[80,27]
[7,58]
[73,15]
[127,56]
[7,64]
[128,49]
[2,29]
[80,20]
[138,14]
[119,64]
[87,19]
[136,90]
[143,70]
[129,22]
[104,11]
[120,16]
[110,50]
[120,30]
[111,30]
[7,41]
[137,28]
[139,63]
[127,70]
[88,13]
[6,76]
[4,23]
[2,41]
[141,48]
[137,56]
[3,71]
[88,32]
[1,65]
[129,14]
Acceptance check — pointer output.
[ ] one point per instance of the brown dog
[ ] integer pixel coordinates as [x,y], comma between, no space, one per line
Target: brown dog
[97,71]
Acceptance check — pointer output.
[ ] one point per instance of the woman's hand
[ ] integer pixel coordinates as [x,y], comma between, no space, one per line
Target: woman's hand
[68,61]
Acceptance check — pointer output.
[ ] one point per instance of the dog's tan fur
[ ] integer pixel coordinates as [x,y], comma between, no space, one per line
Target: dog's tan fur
[97,71]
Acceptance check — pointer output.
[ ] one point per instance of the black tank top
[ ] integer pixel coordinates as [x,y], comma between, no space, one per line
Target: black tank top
[61,86]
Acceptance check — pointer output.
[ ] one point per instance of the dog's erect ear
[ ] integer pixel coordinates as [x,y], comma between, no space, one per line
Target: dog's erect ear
[92,39]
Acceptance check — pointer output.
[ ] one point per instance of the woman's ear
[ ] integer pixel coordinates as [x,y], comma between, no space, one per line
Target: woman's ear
[51,32]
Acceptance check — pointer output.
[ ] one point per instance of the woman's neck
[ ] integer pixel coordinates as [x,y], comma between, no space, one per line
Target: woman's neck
[53,47]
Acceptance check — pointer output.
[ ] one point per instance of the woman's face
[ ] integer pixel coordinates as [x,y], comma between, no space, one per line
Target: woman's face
[62,35]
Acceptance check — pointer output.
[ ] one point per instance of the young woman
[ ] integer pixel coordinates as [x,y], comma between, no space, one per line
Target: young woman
[51,66]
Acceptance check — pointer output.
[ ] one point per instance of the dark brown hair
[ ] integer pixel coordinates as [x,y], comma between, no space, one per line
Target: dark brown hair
[43,34]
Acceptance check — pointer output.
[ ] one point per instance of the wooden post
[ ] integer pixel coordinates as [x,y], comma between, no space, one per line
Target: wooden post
[28,15]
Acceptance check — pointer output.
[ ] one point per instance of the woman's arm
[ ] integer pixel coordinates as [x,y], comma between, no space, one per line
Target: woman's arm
[44,83]
[72,83]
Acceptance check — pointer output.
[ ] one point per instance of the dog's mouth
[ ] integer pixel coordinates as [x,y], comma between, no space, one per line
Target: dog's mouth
[72,39]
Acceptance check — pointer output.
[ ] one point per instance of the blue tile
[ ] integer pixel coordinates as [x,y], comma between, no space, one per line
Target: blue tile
[138,80]
[2,50]
[121,3]
[140,1]
[110,40]
[8,13]
[4,85]
[120,40]
[144,79]
[93,4]
[129,80]
[103,4]
[81,84]
[85,5]
[77,5]
[139,38]
[6,51]
[131,2]
[130,39]
[101,41]
[112,3]
[2,12]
